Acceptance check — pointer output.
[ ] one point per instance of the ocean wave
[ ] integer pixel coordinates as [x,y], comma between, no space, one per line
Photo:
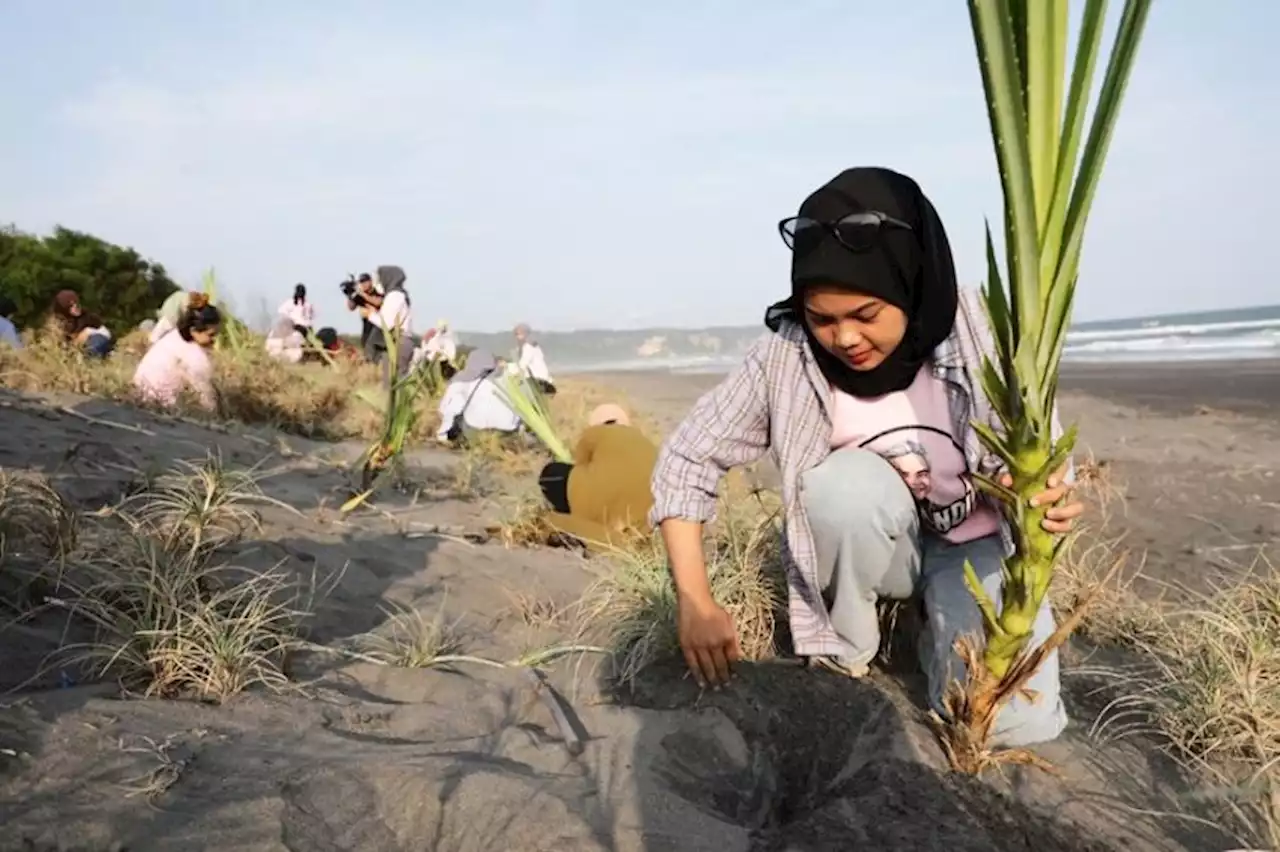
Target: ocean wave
[1148,343]
[1154,329]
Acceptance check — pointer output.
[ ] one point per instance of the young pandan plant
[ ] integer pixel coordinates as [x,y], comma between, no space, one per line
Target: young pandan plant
[234,336]
[530,404]
[1048,185]
[399,416]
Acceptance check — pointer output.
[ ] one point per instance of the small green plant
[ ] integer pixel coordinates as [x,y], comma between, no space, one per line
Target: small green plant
[234,335]
[530,404]
[400,411]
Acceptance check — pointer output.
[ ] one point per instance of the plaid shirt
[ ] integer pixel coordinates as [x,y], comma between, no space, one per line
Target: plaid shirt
[778,400]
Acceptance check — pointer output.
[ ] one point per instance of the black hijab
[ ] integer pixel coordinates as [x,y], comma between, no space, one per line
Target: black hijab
[912,270]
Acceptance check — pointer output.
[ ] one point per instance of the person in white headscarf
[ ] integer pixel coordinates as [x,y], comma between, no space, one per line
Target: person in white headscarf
[472,402]
[438,345]
[531,362]
[284,342]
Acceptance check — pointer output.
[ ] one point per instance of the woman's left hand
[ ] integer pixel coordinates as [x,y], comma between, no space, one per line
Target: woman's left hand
[1060,498]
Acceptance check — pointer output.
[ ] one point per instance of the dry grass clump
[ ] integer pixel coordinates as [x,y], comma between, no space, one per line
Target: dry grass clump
[410,639]
[1202,665]
[169,616]
[38,529]
[176,624]
[631,610]
[45,364]
[1211,685]
[198,506]
[311,400]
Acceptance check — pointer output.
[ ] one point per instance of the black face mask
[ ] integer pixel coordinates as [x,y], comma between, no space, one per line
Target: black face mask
[872,231]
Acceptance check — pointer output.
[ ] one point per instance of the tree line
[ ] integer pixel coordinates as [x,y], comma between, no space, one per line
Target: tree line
[114,282]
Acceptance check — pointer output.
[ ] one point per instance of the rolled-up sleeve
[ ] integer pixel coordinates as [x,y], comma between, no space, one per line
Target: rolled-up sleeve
[728,427]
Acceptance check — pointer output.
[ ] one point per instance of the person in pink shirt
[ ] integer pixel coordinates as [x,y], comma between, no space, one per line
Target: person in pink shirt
[864,387]
[179,361]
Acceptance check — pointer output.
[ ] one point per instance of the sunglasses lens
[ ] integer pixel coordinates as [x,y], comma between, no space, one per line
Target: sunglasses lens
[801,234]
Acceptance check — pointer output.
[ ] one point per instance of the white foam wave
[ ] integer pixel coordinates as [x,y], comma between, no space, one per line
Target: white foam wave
[1154,329]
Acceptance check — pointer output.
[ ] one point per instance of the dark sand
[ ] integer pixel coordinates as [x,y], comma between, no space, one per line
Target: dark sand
[365,757]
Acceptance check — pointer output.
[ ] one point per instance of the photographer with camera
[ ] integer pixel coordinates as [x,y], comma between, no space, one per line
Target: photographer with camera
[364,297]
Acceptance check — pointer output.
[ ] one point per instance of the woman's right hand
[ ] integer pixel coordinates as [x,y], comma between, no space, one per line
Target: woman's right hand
[709,640]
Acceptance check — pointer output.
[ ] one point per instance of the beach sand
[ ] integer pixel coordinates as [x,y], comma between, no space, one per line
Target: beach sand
[366,757]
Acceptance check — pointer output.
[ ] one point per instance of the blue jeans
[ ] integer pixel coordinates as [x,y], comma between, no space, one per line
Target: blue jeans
[98,346]
[869,543]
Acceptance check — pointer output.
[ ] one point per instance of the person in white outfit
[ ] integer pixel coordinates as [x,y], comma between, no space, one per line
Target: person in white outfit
[440,346]
[284,343]
[531,363]
[472,402]
[300,312]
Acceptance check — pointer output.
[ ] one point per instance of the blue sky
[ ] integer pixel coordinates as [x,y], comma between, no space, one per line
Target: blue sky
[592,164]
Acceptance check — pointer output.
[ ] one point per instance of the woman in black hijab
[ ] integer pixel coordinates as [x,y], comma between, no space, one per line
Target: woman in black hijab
[848,250]
[864,389]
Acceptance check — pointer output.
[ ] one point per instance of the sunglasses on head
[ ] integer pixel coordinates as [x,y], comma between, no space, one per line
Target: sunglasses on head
[856,232]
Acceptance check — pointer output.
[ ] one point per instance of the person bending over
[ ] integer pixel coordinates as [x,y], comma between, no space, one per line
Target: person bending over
[179,362]
[864,388]
[603,496]
[473,403]
[69,323]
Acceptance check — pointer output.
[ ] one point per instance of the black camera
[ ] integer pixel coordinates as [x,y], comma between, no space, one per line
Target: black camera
[349,290]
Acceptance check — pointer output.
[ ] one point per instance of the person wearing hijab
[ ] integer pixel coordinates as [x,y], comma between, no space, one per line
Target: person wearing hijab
[438,346]
[472,402]
[603,496]
[864,388]
[300,312]
[284,342]
[392,317]
[69,323]
[531,362]
[179,363]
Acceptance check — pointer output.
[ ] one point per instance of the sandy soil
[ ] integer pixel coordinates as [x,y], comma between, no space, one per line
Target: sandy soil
[365,757]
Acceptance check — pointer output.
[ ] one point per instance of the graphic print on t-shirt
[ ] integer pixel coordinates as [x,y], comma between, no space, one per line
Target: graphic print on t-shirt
[934,470]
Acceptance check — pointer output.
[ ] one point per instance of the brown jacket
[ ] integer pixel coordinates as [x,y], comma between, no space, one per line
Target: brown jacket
[609,493]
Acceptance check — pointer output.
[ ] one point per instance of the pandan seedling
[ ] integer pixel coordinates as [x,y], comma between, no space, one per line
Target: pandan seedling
[1048,184]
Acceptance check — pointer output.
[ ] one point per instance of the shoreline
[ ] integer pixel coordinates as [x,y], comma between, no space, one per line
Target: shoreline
[1249,387]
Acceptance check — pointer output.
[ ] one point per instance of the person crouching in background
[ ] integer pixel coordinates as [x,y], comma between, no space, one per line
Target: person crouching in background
[284,341]
[300,312]
[179,362]
[604,496]
[69,323]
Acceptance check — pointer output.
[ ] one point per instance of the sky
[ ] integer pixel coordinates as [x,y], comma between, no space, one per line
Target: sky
[599,165]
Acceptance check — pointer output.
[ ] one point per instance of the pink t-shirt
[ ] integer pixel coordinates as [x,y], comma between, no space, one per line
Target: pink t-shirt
[911,429]
[172,365]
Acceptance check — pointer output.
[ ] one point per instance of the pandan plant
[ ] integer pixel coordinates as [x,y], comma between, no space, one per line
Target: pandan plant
[1048,182]
[234,335]
[530,404]
[400,413]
